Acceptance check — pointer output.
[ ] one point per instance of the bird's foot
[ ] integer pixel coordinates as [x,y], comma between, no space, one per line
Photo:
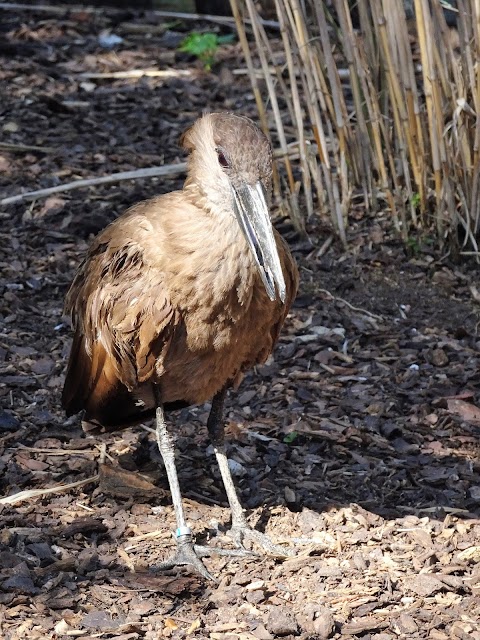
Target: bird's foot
[191,554]
[242,532]
[186,553]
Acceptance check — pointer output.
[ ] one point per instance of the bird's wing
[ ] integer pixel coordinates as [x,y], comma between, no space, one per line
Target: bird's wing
[122,319]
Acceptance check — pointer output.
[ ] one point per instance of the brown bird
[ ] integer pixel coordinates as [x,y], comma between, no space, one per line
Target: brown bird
[177,298]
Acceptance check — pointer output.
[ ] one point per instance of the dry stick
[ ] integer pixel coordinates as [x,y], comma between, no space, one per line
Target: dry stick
[8,146]
[315,91]
[315,86]
[260,37]
[369,314]
[367,29]
[152,172]
[36,493]
[173,15]
[372,120]
[442,98]
[140,73]
[362,148]
[475,143]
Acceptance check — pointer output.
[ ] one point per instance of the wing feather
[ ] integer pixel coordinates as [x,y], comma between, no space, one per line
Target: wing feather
[122,320]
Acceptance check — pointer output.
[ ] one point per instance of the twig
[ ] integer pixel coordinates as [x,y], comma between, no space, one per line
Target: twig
[140,73]
[151,172]
[28,7]
[350,306]
[8,146]
[272,24]
[173,15]
[35,493]
[54,452]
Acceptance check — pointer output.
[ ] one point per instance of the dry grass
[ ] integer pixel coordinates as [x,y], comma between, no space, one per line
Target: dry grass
[385,112]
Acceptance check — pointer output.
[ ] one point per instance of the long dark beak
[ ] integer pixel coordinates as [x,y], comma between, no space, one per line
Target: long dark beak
[251,209]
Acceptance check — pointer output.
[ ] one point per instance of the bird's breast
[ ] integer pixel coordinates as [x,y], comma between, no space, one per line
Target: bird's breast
[213,343]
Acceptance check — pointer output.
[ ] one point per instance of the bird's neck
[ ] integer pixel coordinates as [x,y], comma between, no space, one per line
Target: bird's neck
[206,197]
[212,260]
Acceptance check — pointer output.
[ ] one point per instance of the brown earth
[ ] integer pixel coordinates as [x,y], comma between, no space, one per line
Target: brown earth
[357,445]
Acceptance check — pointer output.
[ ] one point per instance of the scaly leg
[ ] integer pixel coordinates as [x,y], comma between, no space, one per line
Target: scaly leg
[240,530]
[187,552]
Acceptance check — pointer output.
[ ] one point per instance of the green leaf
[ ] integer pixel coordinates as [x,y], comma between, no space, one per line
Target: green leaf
[204,46]
[290,437]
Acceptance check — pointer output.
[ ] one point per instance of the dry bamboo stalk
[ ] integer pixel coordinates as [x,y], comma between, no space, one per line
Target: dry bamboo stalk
[337,108]
[336,103]
[249,62]
[254,82]
[476,91]
[271,92]
[397,107]
[399,38]
[308,85]
[428,73]
[415,129]
[276,70]
[369,41]
[411,124]
[377,136]
[361,148]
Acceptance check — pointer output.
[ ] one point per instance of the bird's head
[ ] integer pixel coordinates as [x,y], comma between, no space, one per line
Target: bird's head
[230,164]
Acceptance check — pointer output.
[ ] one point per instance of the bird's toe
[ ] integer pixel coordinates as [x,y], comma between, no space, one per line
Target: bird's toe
[188,553]
[241,533]
[185,554]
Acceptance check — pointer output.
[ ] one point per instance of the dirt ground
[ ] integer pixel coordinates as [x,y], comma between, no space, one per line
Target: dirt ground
[356,446]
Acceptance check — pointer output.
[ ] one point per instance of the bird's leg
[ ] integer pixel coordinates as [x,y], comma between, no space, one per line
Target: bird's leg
[240,530]
[187,552]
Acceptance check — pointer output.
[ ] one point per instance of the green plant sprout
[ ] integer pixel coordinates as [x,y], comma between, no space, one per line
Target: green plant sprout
[415,200]
[413,246]
[204,46]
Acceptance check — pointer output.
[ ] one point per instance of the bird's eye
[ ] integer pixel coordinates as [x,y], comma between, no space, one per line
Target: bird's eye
[222,160]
